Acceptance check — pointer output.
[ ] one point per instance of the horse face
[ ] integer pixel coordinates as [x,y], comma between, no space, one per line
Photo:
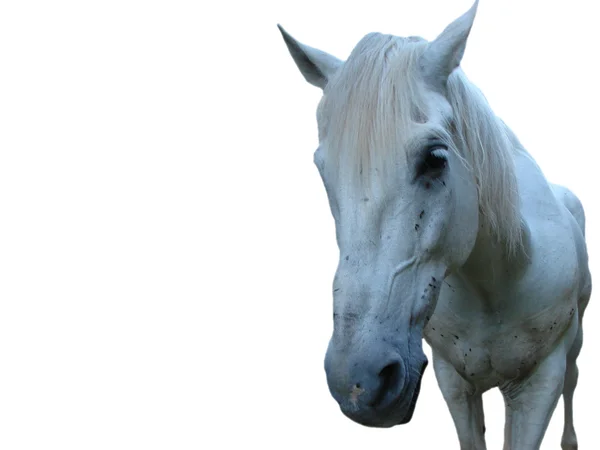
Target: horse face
[397,241]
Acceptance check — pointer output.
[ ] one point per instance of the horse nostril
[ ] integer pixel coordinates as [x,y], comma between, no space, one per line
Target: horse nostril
[389,378]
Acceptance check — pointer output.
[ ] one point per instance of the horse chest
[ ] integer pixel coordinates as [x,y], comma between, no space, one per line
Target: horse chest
[488,348]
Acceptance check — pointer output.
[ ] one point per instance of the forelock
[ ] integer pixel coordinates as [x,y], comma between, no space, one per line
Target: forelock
[371,104]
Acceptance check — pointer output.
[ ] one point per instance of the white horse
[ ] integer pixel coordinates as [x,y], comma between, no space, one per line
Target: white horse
[447,231]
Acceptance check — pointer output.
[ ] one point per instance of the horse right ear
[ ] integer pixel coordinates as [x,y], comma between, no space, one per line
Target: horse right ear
[316,66]
[444,54]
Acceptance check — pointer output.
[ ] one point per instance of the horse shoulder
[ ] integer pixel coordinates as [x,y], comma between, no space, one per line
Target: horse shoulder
[555,244]
[553,249]
[576,215]
[557,276]
[572,203]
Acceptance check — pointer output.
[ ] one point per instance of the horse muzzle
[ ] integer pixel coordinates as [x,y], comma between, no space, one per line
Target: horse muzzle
[376,390]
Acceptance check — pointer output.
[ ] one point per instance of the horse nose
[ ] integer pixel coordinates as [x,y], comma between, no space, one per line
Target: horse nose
[369,383]
[383,386]
[375,384]
[389,380]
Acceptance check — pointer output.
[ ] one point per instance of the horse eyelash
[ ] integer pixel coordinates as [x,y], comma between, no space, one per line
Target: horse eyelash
[439,152]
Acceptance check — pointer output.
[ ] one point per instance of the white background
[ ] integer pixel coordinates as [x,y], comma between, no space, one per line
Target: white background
[166,248]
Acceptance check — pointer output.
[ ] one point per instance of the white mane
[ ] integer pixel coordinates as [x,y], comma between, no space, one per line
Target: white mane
[370,107]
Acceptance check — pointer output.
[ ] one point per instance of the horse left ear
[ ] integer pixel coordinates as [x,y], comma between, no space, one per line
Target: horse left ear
[444,54]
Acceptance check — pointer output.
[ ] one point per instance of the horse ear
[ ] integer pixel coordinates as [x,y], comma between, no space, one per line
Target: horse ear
[444,54]
[316,65]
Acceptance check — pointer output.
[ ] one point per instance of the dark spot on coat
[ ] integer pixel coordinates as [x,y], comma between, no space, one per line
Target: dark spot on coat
[422,214]
[347,257]
[427,185]
[456,337]
[337,289]
[416,227]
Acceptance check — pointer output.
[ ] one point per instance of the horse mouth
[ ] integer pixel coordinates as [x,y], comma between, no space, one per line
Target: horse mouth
[413,401]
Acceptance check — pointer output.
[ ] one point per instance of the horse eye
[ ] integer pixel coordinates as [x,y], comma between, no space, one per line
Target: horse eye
[434,162]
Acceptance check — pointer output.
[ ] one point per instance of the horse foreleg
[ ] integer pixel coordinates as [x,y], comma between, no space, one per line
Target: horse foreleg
[569,438]
[530,402]
[465,404]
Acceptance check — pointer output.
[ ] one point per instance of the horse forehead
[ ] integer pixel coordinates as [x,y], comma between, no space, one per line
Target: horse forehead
[439,110]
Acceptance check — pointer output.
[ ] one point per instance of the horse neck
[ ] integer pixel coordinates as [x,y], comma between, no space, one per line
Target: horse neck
[489,266]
